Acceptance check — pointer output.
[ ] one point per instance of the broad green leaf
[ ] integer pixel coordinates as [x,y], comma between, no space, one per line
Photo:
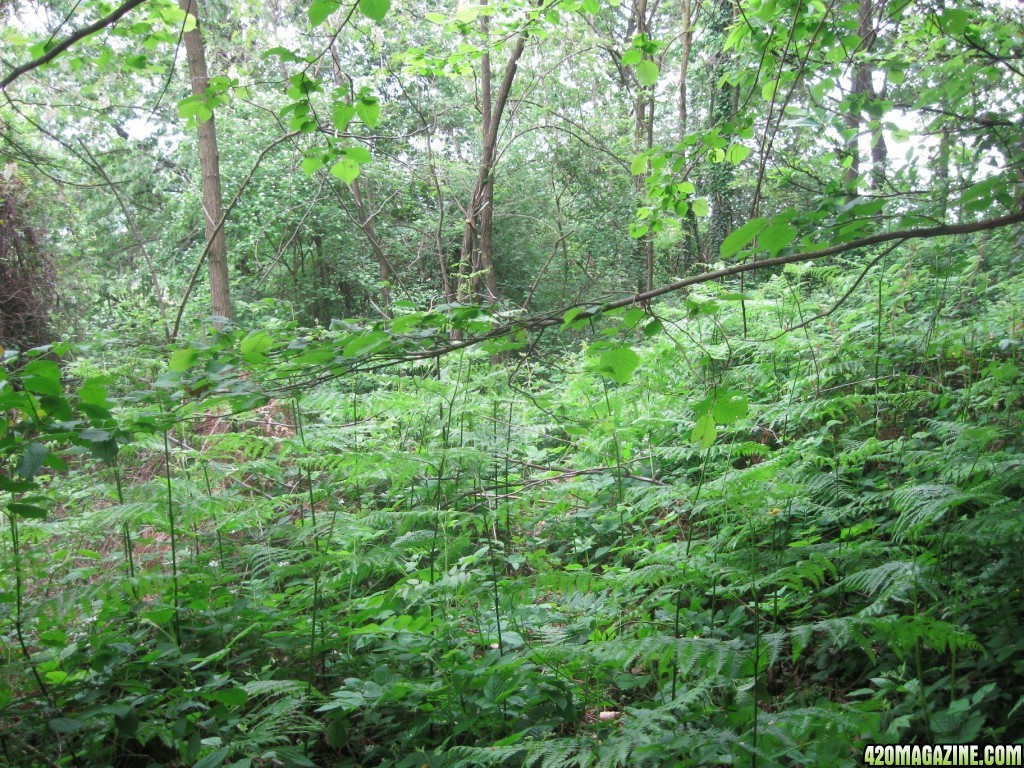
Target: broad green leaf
[345,169]
[256,342]
[183,359]
[283,53]
[647,72]
[1004,371]
[639,165]
[777,236]
[954,20]
[195,107]
[406,323]
[467,14]
[346,701]
[160,615]
[632,57]
[214,759]
[436,18]
[301,85]
[312,164]
[26,510]
[704,431]
[368,109]
[375,9]
[342,115]
[232,697]
[978,197]
[55,638]
[738,239]
[360,154]
[64,725]
[700,207]
[503,344]
[737,153]
[95,435]
[42,377]
[570,316]
[729,406]
[16,486]
[320,10]
[633,316]
[367,343]
[619,363]
[93,392]
[653,328]
[32,460]
[174,16]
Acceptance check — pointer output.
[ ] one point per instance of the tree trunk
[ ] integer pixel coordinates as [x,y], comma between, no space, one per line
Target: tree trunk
[477,257]
[863,90]
[690,244]
[209,163]
[365,221]
[717,177]
[643,139]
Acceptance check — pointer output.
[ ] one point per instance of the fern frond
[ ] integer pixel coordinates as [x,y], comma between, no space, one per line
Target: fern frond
[883,577]
[921,505]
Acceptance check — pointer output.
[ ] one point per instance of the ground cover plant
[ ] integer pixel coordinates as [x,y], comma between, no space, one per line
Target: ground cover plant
[459,568]
[685,432]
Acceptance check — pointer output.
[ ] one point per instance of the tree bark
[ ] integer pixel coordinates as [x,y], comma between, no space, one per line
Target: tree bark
[722,103]
[209,163]
[863,90]
[690,242]
[366,224]
[477,257]
[643,110]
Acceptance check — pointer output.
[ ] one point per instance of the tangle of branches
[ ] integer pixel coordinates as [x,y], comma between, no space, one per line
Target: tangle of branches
[27,275]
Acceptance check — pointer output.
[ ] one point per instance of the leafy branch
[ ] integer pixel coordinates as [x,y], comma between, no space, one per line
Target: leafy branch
[68,41]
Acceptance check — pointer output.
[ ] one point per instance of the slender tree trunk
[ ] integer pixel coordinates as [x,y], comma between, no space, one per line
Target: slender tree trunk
[477,257]
[864,90]
[485,258]
[941,171]
[209,163]
[684,63]
[365,219]
[643,137]
[718,177]
[690,244]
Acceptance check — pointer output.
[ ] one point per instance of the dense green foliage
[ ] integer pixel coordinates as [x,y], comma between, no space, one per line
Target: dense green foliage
[665,410]
[467,566]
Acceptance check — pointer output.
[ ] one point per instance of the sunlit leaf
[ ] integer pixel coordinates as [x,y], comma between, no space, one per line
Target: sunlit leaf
[619,363]
[647,73]
[375,9]
[741,237]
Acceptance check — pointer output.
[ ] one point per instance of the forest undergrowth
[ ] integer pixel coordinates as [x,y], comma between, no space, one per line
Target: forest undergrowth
[760,528]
